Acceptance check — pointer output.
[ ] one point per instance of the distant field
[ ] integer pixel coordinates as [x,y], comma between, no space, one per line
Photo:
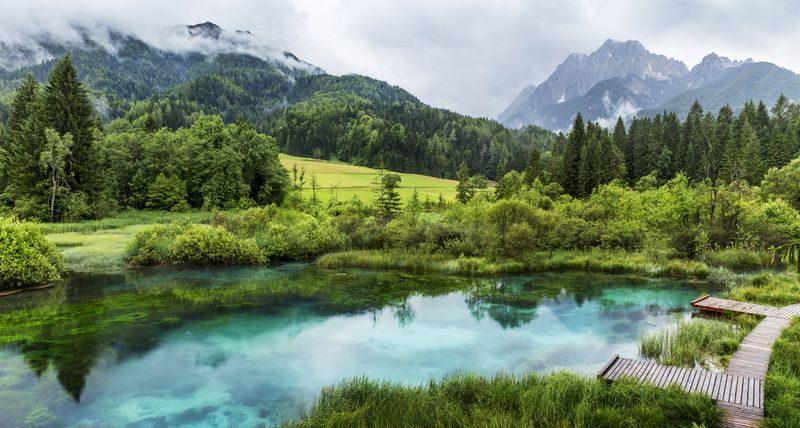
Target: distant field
[346,181]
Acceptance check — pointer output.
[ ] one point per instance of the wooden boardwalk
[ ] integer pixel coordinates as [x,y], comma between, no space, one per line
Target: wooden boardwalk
[714,304]
[739,391]
[731,388]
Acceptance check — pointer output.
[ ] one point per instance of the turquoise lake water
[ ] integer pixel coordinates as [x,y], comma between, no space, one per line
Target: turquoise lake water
[249,347]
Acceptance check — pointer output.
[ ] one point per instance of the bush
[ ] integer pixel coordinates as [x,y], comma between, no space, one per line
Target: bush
[246,223]
[202,244]
[153,246]
[519,239]
[26,257]
[292,235]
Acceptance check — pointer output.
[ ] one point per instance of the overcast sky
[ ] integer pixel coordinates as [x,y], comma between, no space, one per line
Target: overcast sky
[466,55]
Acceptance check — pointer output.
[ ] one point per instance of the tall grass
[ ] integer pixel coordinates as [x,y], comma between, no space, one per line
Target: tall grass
[782,389]
[768,288]
[99,251]
[554,400]
[737,258]
[593,261]
[699,342]
[128,218]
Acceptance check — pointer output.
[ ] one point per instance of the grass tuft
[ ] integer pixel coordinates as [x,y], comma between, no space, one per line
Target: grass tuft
[553,400]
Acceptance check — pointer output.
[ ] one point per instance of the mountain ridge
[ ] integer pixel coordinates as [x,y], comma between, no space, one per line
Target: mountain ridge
[640,82]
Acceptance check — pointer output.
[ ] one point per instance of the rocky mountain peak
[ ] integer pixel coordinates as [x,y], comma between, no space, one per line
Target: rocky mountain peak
[207,29]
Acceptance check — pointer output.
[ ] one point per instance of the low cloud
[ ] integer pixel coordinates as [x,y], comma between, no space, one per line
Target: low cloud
[471,56]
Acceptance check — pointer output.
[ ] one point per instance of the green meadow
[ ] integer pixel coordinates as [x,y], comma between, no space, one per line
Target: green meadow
[344,181]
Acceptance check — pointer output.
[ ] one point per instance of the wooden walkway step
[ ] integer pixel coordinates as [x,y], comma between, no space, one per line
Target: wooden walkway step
[715,304]
[739,391]
[752,357]
[722,387]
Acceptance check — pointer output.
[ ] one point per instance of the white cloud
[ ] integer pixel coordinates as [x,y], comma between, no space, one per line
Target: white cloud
[467,55]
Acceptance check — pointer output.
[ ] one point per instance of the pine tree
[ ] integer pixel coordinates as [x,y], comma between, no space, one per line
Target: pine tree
[534,167]
[689,154]
[724,149]
[464,189]
[21,149]
[68,111]
[620,135]
[571,159]
[387,197]
[752,164]
[762,127]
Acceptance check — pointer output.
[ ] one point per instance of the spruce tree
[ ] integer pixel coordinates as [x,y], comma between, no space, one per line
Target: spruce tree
[689,153]
[387,197]
[620,135]
[464,189]
[21,149]
[752,164]
[762,127]
[534,167]
[571,159]
[68,111]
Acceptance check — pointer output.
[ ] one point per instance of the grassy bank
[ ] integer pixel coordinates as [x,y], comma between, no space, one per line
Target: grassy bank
[553,400]
[100,245]
[700,342]
[782,390]
[592,261]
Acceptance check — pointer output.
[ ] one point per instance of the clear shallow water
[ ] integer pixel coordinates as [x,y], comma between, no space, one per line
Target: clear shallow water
[244,347]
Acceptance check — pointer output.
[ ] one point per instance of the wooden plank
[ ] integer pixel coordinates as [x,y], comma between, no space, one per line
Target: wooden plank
[665,375]
[608,365]
[617,369]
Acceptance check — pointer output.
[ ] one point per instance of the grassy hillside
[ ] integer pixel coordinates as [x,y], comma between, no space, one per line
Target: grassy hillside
[345,181]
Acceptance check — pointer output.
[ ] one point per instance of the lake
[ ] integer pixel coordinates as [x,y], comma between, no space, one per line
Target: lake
[251,346]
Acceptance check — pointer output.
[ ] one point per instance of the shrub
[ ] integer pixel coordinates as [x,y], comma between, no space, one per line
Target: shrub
[26,257]
[296,236]
[246,223]
[153,245]
[519,239]
[202,244]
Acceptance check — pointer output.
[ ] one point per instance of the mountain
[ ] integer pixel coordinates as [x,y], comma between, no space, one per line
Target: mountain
[759,81]
[119,66]
[169,79]
[579,73]
[625,79]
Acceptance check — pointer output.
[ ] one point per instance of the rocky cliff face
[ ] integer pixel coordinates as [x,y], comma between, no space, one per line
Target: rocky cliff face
[625,79]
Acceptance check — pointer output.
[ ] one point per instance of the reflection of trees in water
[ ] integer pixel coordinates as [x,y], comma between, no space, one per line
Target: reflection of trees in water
[67,328]
[513,301]
[404,313]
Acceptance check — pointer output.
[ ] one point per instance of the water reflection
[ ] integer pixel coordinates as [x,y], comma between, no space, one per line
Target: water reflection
[236,346]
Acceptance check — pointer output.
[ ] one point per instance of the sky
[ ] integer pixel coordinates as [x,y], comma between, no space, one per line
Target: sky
[469,56]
